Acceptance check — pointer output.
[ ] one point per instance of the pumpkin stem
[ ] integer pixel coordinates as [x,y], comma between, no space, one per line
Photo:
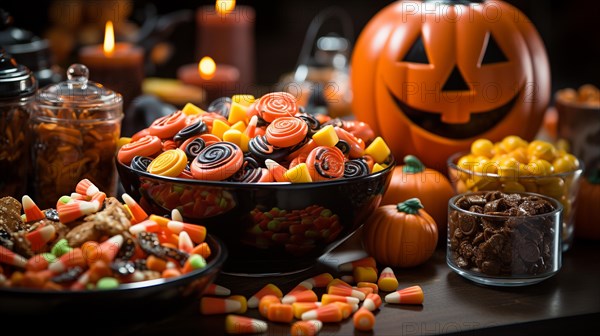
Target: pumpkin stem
[412,165]
[410,206]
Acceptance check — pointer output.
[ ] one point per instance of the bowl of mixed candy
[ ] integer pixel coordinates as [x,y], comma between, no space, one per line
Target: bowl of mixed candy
[279,186]
[95,256]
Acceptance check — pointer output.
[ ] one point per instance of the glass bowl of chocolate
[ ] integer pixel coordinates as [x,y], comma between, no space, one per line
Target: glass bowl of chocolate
[504,239]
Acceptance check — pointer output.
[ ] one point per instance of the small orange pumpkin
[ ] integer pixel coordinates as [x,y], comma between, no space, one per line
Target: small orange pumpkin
[588,211]
[433,188]
[402,235]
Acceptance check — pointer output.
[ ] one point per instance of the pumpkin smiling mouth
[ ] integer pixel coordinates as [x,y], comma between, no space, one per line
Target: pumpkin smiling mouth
[477,124]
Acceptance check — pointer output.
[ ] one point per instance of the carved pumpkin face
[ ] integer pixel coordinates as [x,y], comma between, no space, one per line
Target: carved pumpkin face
[433,76]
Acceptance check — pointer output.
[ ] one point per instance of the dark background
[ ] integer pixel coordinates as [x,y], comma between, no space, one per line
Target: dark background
[570,30]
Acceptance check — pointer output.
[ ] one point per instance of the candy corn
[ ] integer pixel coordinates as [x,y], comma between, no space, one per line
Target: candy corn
[345,291]
[279,312]
[70,259]
[193,262]
[196,232]
[338,282]
[87,188]
[31,210]
[302,307]
[40,237]
[136,210]
[326,313]
[372,302]
[147,225]
[301,296]
[40,262]
[368,284]
[176,215]
[214,289]
[236,325]
[9,257]
[363,320]
[364,262]
[265,302]
[364,290]
[347,278]
[306,328]
[243,303]
[213,305]
[108,249]
[409,295]
[329,298]
[268,289]
[277,170]
[366,274]
[320,280]
[346,308]
[387,280]
[72,210]
[185,242]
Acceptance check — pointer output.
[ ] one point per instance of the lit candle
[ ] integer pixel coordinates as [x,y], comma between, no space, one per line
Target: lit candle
[218,80]
[226,33]
[117,66]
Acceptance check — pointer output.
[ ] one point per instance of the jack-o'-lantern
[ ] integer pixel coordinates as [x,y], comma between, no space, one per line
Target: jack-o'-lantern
[430,77]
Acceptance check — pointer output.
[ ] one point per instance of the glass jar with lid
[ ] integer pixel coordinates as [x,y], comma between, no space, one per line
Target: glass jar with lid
[17,90]
[75,128]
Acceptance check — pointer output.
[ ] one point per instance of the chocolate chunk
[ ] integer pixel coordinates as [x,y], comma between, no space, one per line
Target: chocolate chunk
[507,242]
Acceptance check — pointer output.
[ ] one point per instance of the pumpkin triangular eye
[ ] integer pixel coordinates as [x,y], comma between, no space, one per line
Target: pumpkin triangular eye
[417,53]
[493,53]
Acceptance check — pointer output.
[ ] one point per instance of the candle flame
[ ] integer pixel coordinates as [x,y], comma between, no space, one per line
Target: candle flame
[225,6]
[109,38]
[207,67]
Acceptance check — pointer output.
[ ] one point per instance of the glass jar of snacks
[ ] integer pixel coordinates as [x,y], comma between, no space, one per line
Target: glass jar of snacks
[504,239]
[579,122]
[17,90]
[75,127]
[516,165]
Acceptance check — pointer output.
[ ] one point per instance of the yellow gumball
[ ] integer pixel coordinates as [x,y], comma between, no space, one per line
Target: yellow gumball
[482,147]
[539,149]
[519,154]
[539,167]
[563,165]
[513,142]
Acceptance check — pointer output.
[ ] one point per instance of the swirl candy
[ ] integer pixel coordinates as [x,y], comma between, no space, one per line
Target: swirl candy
[354,168]
[217,162]
[196,128]
[357,146]
[276,104]
[168,163]
[313,124]
[325,163]
[146,146]
[286,131]
[194,147]
[167,126]
[140,163]
[261,148]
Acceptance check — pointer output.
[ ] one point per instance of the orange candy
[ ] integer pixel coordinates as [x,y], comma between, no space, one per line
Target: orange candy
[217,162]
[286,131]
[145,146]
[363,320]
[325,163]
[276,104]
[167,126]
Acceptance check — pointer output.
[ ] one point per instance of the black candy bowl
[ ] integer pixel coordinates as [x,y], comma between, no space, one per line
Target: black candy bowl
[268,228]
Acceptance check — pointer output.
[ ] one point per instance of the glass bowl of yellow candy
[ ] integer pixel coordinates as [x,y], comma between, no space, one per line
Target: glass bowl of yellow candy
[516,165]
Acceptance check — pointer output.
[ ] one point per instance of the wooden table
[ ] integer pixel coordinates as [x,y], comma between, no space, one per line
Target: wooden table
[569,301]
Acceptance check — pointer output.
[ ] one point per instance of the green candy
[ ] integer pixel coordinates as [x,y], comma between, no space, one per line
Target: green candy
[61,247]
[197,261]
[107,283]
